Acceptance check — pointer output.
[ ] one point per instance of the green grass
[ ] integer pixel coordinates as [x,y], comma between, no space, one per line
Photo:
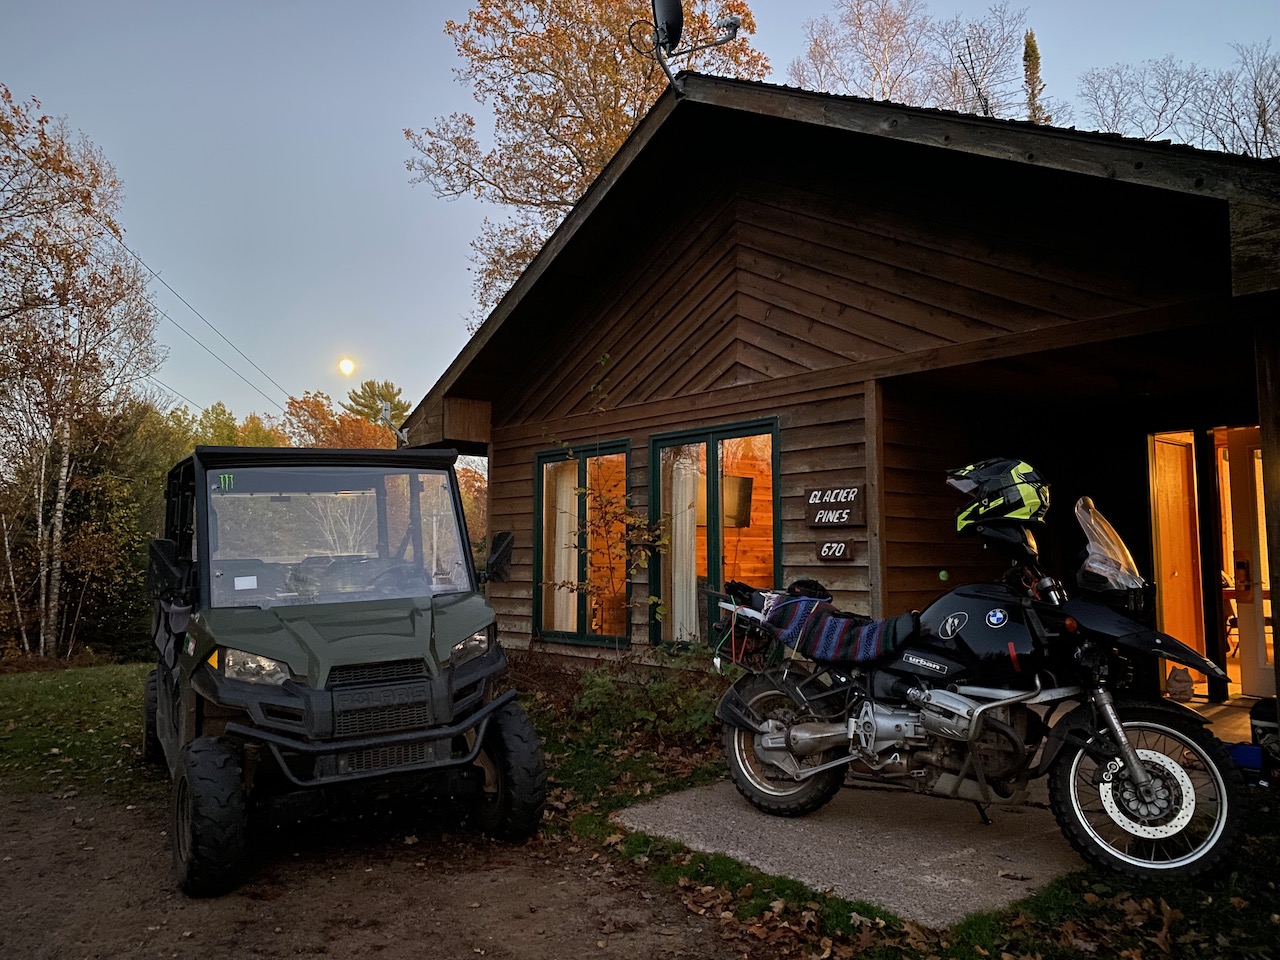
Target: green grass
[69,731]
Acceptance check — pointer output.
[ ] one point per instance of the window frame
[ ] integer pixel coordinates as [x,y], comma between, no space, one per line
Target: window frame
[580,453]
[711,436]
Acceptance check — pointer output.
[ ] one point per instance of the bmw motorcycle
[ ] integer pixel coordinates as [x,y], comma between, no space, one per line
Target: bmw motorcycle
[989,688]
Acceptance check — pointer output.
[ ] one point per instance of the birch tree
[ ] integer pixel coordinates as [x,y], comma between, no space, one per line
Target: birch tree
[77,326]
[895,50]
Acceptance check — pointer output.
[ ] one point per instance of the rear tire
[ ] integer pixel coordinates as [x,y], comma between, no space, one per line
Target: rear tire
[515,777]
[1189,828]
[209,820]
[764,785]
[152,750]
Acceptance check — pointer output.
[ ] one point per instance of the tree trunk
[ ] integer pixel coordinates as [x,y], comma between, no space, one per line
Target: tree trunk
[42,558]
[13,585]
[53,612]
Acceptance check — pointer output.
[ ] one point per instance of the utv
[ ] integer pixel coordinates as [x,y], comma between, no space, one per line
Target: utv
[321,640]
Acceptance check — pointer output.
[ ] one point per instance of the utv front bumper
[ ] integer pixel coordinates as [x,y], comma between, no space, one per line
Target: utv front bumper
[371,720]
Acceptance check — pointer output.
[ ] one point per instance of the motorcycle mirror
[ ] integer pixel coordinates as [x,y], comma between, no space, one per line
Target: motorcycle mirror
[668,24]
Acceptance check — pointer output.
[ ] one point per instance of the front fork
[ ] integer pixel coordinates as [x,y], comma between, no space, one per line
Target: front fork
[1138,774]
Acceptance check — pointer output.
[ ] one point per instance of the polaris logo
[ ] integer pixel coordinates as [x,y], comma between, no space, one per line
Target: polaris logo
[911,658]
[380,697]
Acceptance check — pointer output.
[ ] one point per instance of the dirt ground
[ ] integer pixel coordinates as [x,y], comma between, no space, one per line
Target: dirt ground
[84,877]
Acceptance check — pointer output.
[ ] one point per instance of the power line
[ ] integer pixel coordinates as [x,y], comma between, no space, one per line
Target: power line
[94,254]
[124,246]
[153,273]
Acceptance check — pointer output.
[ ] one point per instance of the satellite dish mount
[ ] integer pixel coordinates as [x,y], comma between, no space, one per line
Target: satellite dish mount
[668,25]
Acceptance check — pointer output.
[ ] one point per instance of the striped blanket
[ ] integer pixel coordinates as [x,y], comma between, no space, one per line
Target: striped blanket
[817,630]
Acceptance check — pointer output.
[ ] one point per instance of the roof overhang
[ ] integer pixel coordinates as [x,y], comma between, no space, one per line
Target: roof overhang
[623,205]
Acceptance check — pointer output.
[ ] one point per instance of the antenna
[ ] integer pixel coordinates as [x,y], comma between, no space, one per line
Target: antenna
[668,26]
[401,435]
[973,79]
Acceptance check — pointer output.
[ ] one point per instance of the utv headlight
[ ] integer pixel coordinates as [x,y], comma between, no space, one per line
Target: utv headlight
[476,645]
[238,665]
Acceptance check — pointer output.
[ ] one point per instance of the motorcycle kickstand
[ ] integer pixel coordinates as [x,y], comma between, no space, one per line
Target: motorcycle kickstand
[982,813]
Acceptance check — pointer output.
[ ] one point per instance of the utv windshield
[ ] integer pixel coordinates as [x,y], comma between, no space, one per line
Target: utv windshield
[1108,557]
[291,535]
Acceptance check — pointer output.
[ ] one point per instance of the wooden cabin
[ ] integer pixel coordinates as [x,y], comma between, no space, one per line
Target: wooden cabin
[778,317]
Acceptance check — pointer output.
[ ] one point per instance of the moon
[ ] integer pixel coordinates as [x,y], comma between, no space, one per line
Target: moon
[347,366]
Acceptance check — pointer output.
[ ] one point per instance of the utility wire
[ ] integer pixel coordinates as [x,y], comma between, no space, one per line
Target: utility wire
[94,254]
[153,273]
[124,246]
[164,386]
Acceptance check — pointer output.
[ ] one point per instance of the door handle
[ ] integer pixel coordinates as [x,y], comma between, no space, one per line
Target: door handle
[1244,580]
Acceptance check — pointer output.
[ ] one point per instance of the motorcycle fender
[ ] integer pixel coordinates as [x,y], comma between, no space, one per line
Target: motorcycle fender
[1127,633]
[1082,724]
[733,710]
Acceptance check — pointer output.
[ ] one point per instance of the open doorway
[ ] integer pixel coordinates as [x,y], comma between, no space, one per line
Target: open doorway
[1246,586]
[1243,640]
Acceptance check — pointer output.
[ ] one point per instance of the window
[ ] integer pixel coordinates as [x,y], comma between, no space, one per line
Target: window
[582,538]
[288,535]
[716,495]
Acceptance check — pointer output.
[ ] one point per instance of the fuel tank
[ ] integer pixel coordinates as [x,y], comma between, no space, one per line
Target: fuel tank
[975,632]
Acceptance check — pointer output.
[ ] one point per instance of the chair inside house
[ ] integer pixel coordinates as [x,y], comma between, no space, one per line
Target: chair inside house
[1233,628]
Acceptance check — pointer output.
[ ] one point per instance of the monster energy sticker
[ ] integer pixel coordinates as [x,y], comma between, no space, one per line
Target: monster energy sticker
[226,482]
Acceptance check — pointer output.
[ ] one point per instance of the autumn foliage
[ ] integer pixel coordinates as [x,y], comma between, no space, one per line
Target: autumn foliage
[566,82]
[310,421]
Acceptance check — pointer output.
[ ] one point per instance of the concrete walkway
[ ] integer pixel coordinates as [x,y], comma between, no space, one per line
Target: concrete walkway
[924,858]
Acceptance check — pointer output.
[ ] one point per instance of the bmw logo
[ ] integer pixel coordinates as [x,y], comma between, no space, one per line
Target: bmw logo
[997,618]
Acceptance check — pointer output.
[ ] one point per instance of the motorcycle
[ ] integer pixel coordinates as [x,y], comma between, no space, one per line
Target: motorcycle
[990,687]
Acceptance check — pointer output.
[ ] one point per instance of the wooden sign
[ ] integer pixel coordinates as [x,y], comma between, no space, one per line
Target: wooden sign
[829,550]
[835,507]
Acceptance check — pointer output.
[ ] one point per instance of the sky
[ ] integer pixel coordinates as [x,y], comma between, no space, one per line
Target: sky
[261,149]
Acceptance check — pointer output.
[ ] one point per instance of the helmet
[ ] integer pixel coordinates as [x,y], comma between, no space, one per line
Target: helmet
[999,490]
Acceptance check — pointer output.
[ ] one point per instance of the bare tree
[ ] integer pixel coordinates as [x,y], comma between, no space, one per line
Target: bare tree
[894,50]
[878,49]
[1156,99]
[1238,109]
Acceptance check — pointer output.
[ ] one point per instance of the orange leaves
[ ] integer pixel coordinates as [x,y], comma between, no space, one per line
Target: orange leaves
[310,421]
[565,88]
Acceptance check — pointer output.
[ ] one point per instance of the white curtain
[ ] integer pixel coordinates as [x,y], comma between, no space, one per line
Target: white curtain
[683,602]
[563,555]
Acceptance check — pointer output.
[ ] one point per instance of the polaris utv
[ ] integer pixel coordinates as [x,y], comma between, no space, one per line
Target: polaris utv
[321,639]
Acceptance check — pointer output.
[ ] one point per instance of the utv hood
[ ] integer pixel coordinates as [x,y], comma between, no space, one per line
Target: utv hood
[314,638]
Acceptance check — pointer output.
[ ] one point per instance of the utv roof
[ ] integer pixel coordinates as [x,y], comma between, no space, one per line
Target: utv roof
[323,456]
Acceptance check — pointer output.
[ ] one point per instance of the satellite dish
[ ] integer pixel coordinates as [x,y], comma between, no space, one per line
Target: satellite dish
[668,24]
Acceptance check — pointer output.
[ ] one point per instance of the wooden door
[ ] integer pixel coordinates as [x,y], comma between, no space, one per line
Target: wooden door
[1177,540]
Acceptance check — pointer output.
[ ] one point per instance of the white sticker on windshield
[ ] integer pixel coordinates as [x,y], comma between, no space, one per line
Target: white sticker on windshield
[246,583]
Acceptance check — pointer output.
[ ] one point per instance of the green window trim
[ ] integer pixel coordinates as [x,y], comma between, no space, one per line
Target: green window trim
[711,436]
[581,453]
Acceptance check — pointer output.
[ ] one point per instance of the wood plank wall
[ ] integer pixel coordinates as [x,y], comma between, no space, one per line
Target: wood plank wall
[753,292]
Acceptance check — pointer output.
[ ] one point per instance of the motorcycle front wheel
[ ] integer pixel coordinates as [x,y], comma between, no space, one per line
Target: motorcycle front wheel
[1186,828]
[766,786]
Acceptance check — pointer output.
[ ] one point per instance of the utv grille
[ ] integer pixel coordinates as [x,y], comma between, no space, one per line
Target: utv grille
[383,758]
[377,672]
[407,716]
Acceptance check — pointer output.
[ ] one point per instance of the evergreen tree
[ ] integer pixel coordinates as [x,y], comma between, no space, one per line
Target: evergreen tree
[366,401]
[1036,112]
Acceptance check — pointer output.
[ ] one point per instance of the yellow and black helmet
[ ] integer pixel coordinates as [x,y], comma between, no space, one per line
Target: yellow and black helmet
[999,490]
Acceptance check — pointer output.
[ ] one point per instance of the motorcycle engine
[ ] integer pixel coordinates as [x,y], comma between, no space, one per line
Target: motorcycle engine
[943,713]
